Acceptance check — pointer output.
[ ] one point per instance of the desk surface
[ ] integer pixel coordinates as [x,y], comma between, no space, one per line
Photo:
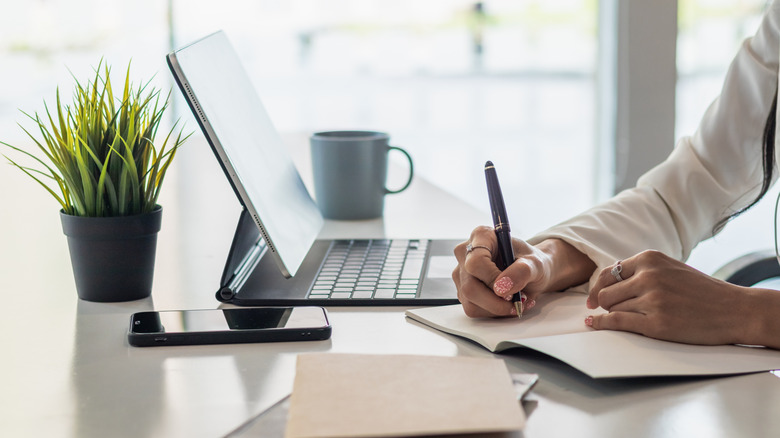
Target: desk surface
[67,369]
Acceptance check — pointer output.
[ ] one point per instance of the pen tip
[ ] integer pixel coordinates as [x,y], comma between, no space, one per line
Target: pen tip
[519,308]
[488,163]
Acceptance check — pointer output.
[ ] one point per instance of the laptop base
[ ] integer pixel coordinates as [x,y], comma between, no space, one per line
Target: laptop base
[251,277]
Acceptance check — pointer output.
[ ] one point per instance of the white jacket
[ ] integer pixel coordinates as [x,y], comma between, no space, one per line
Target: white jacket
[708,176]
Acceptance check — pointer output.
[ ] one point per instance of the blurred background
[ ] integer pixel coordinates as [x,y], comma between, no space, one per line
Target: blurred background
[524,83]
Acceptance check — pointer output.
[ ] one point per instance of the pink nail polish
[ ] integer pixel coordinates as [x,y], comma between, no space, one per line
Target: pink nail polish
[589,321]
[513,311]
[503,285]
[530,304]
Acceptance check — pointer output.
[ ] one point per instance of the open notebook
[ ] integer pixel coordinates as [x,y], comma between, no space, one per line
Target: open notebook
[555,326]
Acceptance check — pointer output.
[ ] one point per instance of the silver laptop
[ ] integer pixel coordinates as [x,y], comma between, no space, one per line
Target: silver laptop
[276,258]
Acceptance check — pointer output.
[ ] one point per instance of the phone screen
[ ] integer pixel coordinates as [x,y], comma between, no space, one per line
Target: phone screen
[224,320]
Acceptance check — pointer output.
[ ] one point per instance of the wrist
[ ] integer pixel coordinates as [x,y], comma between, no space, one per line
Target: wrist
[564,265]
[760,316]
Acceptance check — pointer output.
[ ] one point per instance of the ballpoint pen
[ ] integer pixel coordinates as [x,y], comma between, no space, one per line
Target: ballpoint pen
[501,224]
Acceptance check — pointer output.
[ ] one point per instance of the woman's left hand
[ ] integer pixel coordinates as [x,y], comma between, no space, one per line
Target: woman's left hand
[666,299]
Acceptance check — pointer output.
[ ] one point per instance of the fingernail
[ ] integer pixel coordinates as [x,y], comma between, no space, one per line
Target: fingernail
[503,285]
[508,297]
[589,321]
[513,311]
[523,298]
[530,304]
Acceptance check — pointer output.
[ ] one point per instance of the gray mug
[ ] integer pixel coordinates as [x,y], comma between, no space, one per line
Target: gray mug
[350,173]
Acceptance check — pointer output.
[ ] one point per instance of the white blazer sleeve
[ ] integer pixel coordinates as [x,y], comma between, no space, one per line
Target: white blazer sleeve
[708,176]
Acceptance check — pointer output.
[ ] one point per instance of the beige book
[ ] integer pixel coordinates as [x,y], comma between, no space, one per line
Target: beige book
[355,395]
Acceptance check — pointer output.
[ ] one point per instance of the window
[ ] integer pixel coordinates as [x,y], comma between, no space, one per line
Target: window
[454,82]
[710,33]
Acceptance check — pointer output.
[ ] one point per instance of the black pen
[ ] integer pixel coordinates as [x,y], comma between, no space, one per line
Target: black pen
[501,224]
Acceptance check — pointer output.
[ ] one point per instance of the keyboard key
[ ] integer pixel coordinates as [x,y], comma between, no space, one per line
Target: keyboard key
[324,283]
[384,293]
[412,269]
[370,284]
[360,294]
[329,273]
[399,295]
[341,295]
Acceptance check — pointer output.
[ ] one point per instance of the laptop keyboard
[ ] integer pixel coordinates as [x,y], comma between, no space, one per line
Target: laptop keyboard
[371,269]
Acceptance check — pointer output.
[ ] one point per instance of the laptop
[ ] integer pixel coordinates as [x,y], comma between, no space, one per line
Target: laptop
[275,257]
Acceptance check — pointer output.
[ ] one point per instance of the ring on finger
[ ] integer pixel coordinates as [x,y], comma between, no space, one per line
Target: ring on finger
[471,247]
[616,270]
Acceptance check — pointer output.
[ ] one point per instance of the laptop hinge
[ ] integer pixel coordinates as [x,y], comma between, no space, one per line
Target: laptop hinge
[246,251]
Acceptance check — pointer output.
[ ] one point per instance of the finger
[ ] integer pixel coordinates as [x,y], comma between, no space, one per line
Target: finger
[616,294]
[476,241]
[479,261]
[632,305]
[607,277]
[479,301]
[460,252]
[456,277]
[515,277]
[623,321]
[482,238]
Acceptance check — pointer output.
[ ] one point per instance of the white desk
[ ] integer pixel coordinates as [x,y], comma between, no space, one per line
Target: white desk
[67,369]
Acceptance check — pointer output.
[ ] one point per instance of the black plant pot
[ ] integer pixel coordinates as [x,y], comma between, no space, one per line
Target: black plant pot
[113,257]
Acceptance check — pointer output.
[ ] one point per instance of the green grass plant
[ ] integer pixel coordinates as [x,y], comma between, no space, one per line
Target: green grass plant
[98,156]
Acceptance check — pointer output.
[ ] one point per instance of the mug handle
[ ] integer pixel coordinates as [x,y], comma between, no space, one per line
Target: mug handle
[411,171]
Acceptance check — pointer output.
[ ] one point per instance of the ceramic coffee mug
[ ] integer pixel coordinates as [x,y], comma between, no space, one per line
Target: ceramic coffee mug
[350,173]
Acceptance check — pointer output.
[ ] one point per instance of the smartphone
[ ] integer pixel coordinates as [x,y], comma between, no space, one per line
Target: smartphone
[225,326]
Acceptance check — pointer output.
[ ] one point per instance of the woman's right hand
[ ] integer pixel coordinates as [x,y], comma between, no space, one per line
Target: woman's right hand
[486,291]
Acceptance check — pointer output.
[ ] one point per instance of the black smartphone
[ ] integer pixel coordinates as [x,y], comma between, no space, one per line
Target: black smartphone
[224,326]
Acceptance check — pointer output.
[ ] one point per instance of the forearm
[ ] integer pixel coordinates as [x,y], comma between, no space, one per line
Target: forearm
[761,313]
[567,266]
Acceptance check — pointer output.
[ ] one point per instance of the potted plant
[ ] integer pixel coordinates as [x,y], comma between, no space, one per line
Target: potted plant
[99,159]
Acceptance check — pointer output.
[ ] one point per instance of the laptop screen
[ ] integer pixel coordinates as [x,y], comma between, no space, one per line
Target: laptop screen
[255,159]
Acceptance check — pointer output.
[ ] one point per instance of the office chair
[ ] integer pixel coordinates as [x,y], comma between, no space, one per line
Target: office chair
[749,269]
